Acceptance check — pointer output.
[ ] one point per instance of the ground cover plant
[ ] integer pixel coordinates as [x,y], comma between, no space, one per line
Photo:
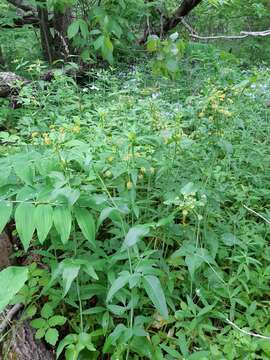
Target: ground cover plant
[137,196]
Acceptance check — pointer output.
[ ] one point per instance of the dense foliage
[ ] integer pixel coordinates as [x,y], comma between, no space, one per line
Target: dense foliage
[138,195]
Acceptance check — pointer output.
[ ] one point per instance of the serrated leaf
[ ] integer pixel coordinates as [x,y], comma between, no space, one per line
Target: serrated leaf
[39,323]
[57,320]
[62,222]
[43,221]
[25,223]
[155,292]
[40,333]
[51,336]
[12,279]
[134,235]
[86,223]
[46,311]
[118,284]
[5,213]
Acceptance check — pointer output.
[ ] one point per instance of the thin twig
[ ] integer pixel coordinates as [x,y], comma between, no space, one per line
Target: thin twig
[247,332]
[259,215]
[9,316]
[242,35]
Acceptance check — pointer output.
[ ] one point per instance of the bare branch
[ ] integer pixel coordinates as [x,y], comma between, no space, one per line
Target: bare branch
[242,35]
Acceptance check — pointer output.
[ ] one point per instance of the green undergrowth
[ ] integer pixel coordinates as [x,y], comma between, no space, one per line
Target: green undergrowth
[142,205]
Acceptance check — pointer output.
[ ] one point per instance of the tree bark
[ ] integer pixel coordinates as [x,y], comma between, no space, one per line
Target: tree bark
[61,22]
[45,34]
[183,10]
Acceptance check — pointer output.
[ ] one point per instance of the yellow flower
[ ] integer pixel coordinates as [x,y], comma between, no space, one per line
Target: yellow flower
[47,140]
[143,170]
[152,170]
[34,134]
[76,129]
[129,185]
[110,159]
[108,173]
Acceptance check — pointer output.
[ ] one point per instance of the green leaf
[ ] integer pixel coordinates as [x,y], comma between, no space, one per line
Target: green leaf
[57,320]
[43,221]
[154,291]
[134,235]
[62,222]
[229,239]
[40,333]
[73,29]
[153,43]
[107,49]
[51,336]
[118,284]
[39,323]
[108,212]
[12,279]
[86,223]
[5,212]
[84,28]
[70,272]
[46,311]
[25,223]
[24,171]
[68,340]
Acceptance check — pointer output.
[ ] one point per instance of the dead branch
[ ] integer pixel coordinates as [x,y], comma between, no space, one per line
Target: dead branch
[9,316]
[242,35]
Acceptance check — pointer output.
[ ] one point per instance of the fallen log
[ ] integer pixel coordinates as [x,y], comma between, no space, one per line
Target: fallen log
[10,83]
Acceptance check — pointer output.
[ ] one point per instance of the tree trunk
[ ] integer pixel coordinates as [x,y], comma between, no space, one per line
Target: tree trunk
[61,22]
[183,10]
[45,34]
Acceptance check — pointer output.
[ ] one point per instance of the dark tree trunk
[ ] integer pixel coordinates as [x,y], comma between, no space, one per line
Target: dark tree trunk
[61,22]
[169,23]
[45,34]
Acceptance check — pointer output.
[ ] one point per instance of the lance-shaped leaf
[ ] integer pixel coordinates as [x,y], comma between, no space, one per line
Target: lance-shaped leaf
[62,222]
[134,235]
[118,284]
[5,212]
[155,292]
[86,223]
[25,223]
[43,221]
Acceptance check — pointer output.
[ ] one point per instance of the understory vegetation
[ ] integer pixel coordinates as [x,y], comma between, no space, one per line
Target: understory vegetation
[138,200]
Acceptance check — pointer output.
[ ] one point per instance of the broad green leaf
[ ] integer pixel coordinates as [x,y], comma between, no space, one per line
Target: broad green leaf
[24,171]
[86,223]
[51,336]
[43,221]
[118,284]
[57,320]
[62,222]
[108,212]
[84,28]
[134,235]
[46,311]
[154,291]
[153,43]
[73,29]
[12,279]
[25,223]
[39,323]
[5,212]
[69,274]
[69,339]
